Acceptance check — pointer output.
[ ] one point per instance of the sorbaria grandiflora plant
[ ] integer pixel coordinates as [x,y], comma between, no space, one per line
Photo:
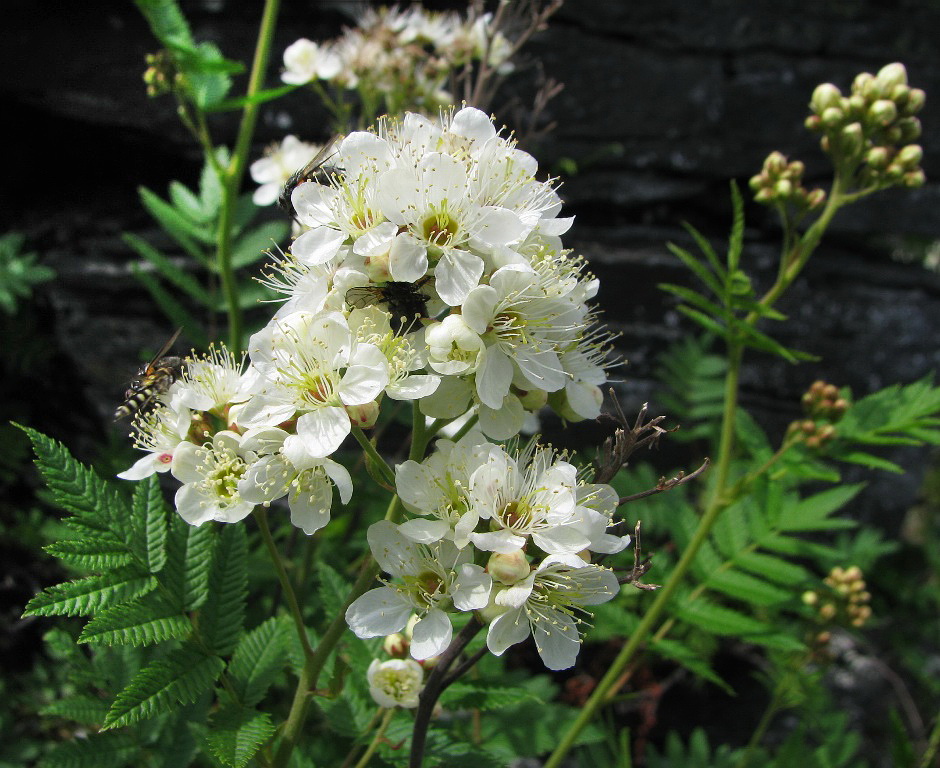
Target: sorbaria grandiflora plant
[428,272]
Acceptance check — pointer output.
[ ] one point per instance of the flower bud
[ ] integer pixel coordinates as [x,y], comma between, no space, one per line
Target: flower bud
[832,117]
[764,195]
[816,199]
[908,130]
[796,169]
[783,188]
[812,123]
[396,645]
[826,95]
[810,598]
[532,399]
[757,182]
[914,179]
[900,95]
[910,156]
[508,568]
[863,84]
[883,112]
[851,139]
[365,415]
[891,75]
[915,101]
[776,162]
[395,683]
[878,158]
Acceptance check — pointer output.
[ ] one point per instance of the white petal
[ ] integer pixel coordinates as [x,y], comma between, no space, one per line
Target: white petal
[502,423]
[494,377]
[503,542]
[407,259]
[323,430]
[456,274]
[317,246]
[557,641]
[146,466]
[341,479]
[431,635]
[380,611]
[424,531]
[193,507]
[471,589]
[394,553]
[507,629]
[473,123]
[413,387]
[310,504]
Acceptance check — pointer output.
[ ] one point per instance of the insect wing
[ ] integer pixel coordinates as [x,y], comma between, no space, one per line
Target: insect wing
[308,173]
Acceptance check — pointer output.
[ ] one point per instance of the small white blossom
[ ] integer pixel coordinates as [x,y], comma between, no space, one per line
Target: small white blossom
[396,682]
[279,163]
[159,432]
[304,61]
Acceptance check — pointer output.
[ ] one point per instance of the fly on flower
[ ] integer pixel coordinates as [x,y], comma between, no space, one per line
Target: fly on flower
[405,301]
[316,170]
[152,380]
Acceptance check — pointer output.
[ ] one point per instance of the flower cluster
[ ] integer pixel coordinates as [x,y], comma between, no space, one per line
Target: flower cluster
[403,57]
[506,534]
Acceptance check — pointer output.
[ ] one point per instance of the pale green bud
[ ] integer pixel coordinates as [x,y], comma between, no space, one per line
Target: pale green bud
[796,169]
[883,112]
[891,75]
[783,188]
[508,568]
[856,104]
[764,195]
[863,84]
[815,199]
[914,179]
[878,157]
[900,95]
[915,101]
[775,163]
[851,139]
[812,123]
[365,415]
[532,399]
[396,645]
[832,117]
[909,130]
[757,182]
[910,156]
[826,95]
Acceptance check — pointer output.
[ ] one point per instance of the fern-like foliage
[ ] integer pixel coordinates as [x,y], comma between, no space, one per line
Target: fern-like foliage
[692,387]
[166,607]
[726,296]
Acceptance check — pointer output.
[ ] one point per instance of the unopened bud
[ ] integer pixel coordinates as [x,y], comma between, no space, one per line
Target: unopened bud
[910,156]
[810,598]
[827,611]
[915,101]
[892,75]
[900,95]
[883,112]
[812,123]
[856,105]
[796,169]
[816,198]
[776,162]
[851,139]
[909,130]
[853,573]
[863,84]
[914,179]
[365,415]
[532,399]
[783,188]
[878,158]
[508,568]
[396,645]
[832,117]
[826,95]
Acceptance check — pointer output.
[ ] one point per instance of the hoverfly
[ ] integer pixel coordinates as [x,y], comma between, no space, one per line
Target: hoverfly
[316,170]
[404,301]
[152,380]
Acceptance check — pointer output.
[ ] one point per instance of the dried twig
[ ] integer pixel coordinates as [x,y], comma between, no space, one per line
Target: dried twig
[666,485]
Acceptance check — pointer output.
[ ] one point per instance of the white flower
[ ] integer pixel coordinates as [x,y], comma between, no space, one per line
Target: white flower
[308,482]
[159,431]
[396,682]
[279,163]
[546,604]
[310,364]
[454,348]
[210,383]
[430,580]
[304,61]
[213,480]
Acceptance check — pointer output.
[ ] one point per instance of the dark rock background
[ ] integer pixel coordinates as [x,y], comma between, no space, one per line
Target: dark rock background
[664,103]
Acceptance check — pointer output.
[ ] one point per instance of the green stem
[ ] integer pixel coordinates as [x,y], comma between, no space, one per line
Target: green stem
[376,740]
[377,461]
[716,504]
[287,589]
[236,171]
[933,745]
[313,664]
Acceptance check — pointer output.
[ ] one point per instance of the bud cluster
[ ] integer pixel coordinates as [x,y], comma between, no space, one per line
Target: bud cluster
[823,405]
[844,602]
[874,127]
[782,182]
[161,75]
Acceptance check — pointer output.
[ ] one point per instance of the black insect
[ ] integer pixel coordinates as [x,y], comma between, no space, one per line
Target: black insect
[404,301]
[316,170]
[152,380]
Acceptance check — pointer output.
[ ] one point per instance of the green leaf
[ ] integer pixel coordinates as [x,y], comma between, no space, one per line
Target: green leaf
[812,513]
[708,252]
[185,231]
[166,21]
[99,750]
[256,242]
[99,551]
[83,597]
[704,320]
[208,76]
[222,616]
[141,622]
[188,204]
[869,460]
[179,678]
[697,300]
[175,311]
[150,517]
[172,273]
[698,269]
[484,696]
[333,589]
[87,710]
[748,588]
[258,659]
[211,188]
[260,97]
[19,272]
[688,658]
[717,619]
[236,734]
[752,437]
[736,238]
[774,568]
[189,556]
